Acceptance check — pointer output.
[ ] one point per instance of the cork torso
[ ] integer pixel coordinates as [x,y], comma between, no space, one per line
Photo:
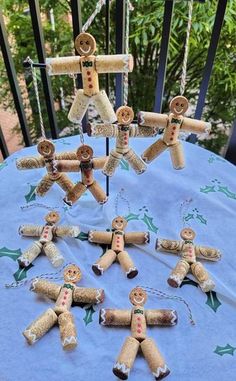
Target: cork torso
[171,132]
[138,323]
[65,298]
[188,252]
[89,75]
[122,140]
[87,172]
[51,167]
[118,242]
[47,234]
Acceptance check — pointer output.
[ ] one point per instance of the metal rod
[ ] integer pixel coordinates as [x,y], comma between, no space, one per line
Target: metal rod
[231,146]
[3,145]
[12,77]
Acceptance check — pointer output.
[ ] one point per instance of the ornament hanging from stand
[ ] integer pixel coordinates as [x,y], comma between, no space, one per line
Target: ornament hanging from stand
[174,123]
[65,296]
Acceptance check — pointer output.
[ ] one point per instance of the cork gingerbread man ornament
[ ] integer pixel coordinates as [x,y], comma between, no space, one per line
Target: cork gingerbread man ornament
[122,131]
[117,239]
[60,314]
[90,66]
[189,253]
[48,160]
[85,164]
[47,234]
[138,319]
[172,124]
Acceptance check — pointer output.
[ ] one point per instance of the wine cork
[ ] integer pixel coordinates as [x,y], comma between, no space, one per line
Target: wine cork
[208,253]
[53,254]
[100,237]
[89,75]
[161,317]
[75,193]
[44,185]
[47,234]
[178,274]
[177,155]
[30,254]
[137,238]
[142,131]
[112,163]
[104,107]
[203,277]
[116,63]
[113,317]
[196,126]
[64,182]
[65,298]
[138,323]
[102,130]
[63,65]
[40,326]
[79,107]
[104,262]
[87,175]
[154,359]
[171,132]
[99,162]
[68,231]
[41,286]
[172,246]
[67,330]
[127,264]
[30,162]
[153,151]
[118,243]
[30,230]
[68,165]
[122,140]
[66,156]
[152,119]
[126,358]
[135,162]
[88,295]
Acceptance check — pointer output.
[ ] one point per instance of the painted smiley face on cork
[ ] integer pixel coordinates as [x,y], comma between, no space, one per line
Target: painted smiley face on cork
[46,147]
[52,217]
[125,115]
[138,296]
[72,274]
[179,105]
[119,223]
[187,234]
[85,44]
[84,153]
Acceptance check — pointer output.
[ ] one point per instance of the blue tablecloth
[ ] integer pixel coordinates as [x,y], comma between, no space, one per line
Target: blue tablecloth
[204,352]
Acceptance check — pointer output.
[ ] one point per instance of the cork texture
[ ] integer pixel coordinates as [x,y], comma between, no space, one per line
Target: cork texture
[116,63]
[104,262]
[161,317]
[152,119]
[135,162]
[75,193]
[30,162]
[207,253]
[154,359]
[178,273]
[44,185]
[63,65]
[79,107]
[40,326]
[53,254]
[67,331]
[98,193]
[127,264]
[126,358]
[177,155]
[30,254]
[113,317]
[154,151]
[138,238]
[67,231]
[104,107]
[138,323]
[43,287]
[88,295]
[100,237]
[30,230]
[68,165]
[112,163]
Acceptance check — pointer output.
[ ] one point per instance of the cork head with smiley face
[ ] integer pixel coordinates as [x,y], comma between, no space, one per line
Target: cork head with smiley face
[85,44]
[187,234]
[119,223]
[138,296]
[72,274]
[52,217]
[125,115]
[179,105]
[84,153]
[46,148]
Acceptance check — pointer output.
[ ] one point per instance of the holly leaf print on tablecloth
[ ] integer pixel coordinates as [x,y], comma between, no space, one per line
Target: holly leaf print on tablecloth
[227,350]
[31,195]
[149,222]
[214,158]
[21,273]
[217,187]
[132,216]
[201,219]
[195,215]
[89,315]
[227,192]
[82,236]
[212,300]
[208,189]
[189,282]
[13,254]
[3,165]
[124,165]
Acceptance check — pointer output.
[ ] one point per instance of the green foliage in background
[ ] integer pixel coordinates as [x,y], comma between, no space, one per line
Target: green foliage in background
[145,37]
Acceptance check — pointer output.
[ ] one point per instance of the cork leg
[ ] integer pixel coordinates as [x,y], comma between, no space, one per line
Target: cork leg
[178,274]
[44,185]
[127,264]
[53,254]
[112,163]
[40,326]
[104,262]
[135,162]
[154,359]
[126,358]
[104,107]
[205,282]
[153,151]
[65,183]
[98,193]
[67,330]
[30,254]
[79,107]
[177,155]
[75,193]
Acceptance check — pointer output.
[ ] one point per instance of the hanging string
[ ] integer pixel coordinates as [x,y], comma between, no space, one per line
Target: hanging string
[120,195]
[163,295]
[36,204]
[129,7]
[97,10]
[53,276]
[184,207]
[186,49]
[35,83]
